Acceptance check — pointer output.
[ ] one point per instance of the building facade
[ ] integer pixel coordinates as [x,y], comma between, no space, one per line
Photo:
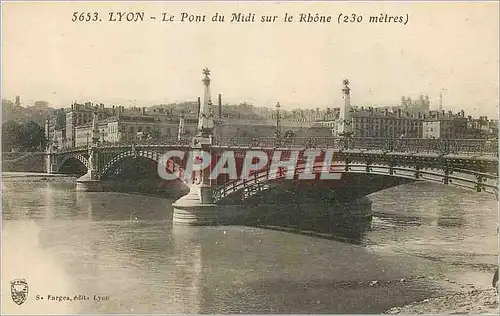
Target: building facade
[374,122]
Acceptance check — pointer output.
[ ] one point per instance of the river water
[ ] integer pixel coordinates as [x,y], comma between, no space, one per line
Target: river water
[425,240]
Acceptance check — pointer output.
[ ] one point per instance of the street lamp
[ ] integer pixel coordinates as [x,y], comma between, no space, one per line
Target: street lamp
[87,139]
[278,129]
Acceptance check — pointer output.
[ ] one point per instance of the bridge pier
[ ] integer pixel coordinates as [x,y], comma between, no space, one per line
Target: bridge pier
[197,209]
[50,163]
[89,183]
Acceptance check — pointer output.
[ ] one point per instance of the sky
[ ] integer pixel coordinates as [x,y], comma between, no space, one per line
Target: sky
[448,48]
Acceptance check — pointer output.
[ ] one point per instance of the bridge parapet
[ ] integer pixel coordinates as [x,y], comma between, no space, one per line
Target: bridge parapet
[417,145]
[408,145]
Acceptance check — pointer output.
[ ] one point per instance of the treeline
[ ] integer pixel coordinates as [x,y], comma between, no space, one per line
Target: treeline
[21,114]
[27,136]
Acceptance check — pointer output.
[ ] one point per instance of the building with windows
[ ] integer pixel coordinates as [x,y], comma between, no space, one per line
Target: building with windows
[439,124]
[375,122]
[267,128]
[83,114]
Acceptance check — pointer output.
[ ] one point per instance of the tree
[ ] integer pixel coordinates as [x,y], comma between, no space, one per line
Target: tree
[32,136]
[11,135]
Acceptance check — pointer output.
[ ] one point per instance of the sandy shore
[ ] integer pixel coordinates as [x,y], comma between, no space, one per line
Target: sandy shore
[481,301]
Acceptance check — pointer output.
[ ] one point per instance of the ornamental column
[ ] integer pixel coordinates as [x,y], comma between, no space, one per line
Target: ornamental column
[345,118]
[206,119]
[203,139]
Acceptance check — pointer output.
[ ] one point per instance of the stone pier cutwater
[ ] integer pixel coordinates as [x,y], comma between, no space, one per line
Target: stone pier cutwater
[87,184]
[198,208]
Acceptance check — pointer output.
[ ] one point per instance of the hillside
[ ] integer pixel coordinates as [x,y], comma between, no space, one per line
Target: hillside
[22,114]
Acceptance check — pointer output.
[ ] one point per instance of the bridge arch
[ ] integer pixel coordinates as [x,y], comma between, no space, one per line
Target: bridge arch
[462,178]
[77,157]
[148,154]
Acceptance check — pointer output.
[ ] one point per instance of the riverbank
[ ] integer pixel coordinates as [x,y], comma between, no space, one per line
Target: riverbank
[34,174]
[481,301]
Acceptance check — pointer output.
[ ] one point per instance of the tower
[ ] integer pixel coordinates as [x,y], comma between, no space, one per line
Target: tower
[18,101]
[345,128]
[205,118]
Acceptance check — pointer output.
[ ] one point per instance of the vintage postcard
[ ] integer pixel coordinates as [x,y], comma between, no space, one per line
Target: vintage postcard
[249,157]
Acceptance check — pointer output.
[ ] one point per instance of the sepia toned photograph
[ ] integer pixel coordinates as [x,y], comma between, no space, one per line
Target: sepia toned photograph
[234,157]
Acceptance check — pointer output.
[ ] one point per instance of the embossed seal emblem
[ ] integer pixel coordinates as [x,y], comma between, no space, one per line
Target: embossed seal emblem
[19,291]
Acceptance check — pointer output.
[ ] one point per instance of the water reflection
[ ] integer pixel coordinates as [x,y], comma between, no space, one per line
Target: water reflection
[450,213]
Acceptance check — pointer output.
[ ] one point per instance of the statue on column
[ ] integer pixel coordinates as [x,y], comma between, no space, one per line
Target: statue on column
[205,119]
[91,159]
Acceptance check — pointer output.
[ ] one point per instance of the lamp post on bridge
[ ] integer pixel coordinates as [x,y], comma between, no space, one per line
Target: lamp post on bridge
[278,128]
[102,136]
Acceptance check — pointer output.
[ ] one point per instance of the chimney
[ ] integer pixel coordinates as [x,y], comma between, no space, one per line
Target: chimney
[113,110]
[220,105]
[399,112]
[143,110]
[386,112]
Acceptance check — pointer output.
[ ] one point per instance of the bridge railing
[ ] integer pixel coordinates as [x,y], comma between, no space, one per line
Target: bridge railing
[149,142]
[413,145]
